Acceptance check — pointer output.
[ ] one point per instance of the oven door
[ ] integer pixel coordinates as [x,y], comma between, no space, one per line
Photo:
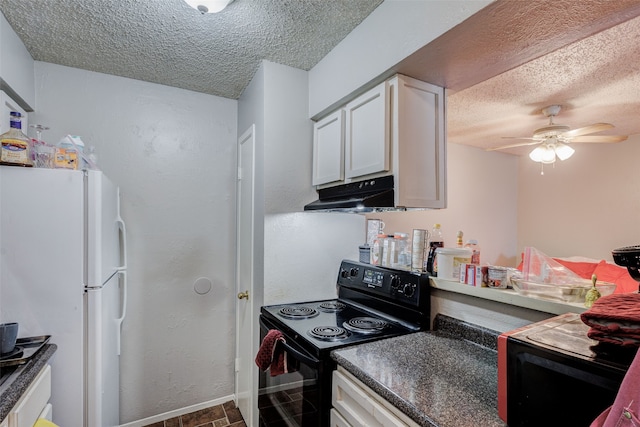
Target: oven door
[301,397]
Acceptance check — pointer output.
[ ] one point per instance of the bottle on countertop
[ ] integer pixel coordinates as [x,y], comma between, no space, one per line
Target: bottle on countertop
[475,254]
[435,241]
[459,239]
[16,146]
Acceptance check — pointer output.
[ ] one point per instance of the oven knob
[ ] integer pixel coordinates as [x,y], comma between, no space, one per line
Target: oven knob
[409,290]
[344,273]
[395,282]
[353,271]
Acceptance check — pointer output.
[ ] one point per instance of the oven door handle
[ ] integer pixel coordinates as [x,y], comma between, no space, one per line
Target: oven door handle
[296,354]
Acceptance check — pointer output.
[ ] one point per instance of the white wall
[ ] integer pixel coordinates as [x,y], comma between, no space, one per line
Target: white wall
[296,255]
[585,206]
[482,202]
[302,251]
[173,154]
[393,31]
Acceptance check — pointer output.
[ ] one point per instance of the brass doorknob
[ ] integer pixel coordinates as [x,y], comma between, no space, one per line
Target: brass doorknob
[244,294]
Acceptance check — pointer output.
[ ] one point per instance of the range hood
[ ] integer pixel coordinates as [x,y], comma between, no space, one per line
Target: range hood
[358,197]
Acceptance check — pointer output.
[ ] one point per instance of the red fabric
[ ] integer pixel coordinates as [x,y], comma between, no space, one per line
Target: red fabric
[615,319]
[626,407]
[618,338]
[582,269]
[615,274]
[270,356]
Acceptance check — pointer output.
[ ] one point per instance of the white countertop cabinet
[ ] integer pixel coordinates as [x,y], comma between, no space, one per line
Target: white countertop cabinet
[356,405]
[397,128]
[33,403]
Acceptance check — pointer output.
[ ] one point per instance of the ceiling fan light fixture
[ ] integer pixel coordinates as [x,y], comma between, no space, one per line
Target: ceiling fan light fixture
[563,151]
[209,6]
[543,154]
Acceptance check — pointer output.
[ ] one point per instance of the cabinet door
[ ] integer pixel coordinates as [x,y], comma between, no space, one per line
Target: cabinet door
[418,129]
[33,401]
[366,135]
[328,149]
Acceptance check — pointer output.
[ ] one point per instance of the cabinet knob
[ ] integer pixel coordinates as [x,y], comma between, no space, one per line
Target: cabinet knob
[243,295]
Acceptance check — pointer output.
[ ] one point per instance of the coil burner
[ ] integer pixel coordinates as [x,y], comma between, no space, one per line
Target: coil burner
[365,325]
[298,312]
[328,333]
[331,306]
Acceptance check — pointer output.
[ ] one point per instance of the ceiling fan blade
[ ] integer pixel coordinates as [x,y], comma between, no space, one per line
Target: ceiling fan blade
[520,137]
[596,127]
[520,144]
[601,138]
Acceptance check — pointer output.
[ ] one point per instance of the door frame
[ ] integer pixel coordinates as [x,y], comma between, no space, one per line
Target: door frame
[246,400]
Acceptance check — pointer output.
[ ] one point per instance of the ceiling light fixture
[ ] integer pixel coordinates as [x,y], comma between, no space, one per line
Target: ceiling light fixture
[563,151]
[546,153]
[209,6]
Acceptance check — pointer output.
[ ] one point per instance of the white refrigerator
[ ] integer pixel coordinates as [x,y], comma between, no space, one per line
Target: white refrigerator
[63,273]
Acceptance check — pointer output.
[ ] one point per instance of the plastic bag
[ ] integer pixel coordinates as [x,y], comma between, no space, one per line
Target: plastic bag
[540,268]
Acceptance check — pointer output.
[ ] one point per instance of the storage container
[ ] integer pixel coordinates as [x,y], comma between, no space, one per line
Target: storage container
[449,261]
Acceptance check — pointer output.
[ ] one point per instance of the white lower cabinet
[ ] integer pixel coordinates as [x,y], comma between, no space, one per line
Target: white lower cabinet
[32,403]
[356,405]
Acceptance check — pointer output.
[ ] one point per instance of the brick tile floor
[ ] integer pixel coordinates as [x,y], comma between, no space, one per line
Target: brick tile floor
[225,415]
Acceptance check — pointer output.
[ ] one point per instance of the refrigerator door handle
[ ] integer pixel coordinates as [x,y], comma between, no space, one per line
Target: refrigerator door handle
[122,271]
[123,233]
[123,313]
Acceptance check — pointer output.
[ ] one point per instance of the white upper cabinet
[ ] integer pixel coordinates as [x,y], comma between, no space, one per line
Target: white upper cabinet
[328,149]
[418,132]
[397,128]
[16,67]
[366,136]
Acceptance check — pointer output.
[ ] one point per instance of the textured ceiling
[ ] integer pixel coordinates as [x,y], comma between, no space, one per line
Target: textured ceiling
[595,79]
[168,42]
[502,66]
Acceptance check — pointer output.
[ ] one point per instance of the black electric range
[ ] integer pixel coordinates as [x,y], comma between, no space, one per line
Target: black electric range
[373,303]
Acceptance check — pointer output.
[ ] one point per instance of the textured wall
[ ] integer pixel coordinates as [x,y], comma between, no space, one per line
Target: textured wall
[173,154]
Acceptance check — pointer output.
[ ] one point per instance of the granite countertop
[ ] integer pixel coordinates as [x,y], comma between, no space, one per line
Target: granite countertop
[444,378]
[24,375]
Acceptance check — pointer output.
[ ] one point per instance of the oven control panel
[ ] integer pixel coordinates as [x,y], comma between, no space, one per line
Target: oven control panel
[397,285]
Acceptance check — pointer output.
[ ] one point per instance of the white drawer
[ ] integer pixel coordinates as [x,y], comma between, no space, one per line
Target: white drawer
[34,400]
[337,420]
[360,406]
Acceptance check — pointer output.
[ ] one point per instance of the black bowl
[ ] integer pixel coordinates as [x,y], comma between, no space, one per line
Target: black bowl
[629,257]
[8,336]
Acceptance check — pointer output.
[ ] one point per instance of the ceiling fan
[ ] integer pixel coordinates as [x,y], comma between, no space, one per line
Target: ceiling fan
[553,139]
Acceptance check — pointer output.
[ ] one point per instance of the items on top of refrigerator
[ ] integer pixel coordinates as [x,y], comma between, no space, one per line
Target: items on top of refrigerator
[16,146]
[68,152]
[43,153]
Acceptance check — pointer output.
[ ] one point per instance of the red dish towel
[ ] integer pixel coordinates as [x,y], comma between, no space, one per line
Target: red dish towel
[615,319]
[270,355]
[626,407]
